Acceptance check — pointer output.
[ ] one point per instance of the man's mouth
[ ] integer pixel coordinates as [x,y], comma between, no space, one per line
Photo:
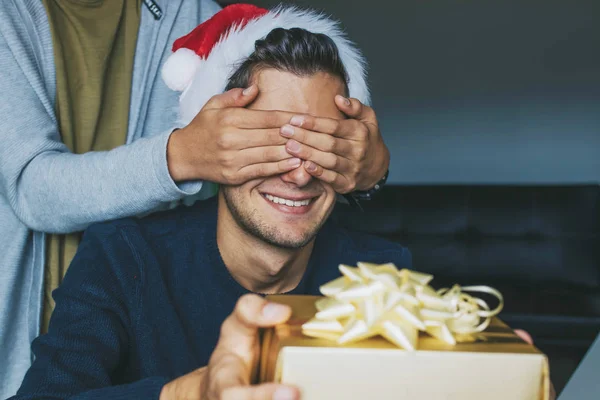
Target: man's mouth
[288,202]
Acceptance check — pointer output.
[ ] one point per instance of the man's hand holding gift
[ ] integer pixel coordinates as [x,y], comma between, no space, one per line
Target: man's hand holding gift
[229,374]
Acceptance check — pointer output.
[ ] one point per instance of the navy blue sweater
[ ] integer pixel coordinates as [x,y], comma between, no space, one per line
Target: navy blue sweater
[144,299]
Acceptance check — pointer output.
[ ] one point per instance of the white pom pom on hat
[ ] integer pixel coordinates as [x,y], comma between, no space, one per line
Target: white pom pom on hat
[180,68]
[192,49]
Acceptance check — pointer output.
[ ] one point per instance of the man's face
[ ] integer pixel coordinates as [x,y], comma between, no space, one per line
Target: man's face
[287,210]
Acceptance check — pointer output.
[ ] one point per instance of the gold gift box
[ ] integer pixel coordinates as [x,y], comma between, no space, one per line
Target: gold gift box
[492,365]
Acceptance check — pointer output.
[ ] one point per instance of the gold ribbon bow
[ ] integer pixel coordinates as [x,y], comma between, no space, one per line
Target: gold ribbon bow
[381,300]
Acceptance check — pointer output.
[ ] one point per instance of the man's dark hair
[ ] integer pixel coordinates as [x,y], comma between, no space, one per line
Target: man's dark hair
[295,50]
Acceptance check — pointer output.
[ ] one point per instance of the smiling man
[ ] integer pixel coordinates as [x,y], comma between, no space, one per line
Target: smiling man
[287,210]
[166,306]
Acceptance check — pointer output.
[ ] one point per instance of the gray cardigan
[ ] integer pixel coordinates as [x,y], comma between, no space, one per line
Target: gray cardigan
[44,187]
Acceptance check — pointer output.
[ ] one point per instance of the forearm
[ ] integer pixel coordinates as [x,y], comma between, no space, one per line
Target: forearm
[63,192]
[49,188]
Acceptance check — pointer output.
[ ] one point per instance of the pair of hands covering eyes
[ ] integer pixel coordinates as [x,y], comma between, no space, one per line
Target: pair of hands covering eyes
[229,144]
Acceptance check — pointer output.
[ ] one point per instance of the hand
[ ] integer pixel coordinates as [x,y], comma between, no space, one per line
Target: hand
[527,338]
[231,366]
[187,387]
[349,154]
[226,143]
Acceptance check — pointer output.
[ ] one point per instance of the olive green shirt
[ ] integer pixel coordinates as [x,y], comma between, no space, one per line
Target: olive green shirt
[94,45]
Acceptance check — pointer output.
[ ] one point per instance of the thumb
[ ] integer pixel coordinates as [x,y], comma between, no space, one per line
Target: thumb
[354,109]
[233,98]
[240,330]
[349,106]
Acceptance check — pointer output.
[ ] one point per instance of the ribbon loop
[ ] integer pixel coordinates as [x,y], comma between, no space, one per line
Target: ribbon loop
[372,299]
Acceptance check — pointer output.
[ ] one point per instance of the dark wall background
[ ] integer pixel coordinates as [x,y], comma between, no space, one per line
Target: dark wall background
[472,91]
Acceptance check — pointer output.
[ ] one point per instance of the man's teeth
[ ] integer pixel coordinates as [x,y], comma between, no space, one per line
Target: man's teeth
[287,202]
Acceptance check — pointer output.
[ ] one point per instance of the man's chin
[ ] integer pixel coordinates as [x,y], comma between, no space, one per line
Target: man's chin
[291,242]
[271,227]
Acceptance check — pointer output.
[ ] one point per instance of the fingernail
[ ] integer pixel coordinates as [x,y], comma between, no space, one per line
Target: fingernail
[273,310]
[310,166]
[285,393]
[293,146]
[247,91]
[297,120]
[294,162]
[287,131]
[346,100]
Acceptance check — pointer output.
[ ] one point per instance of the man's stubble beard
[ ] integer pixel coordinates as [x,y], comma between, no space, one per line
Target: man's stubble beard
[249,221]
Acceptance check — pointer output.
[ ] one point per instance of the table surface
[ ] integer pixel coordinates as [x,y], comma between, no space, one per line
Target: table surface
[585,382]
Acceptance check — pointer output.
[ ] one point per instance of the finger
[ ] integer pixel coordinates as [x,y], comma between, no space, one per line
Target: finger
[244,118]
[264,154]
[233,98]
[315,124]
[317,140]
[264,170]
[238,341]
[350,129]
[323,158]
[261,137]
[351,107]
[338,182]
[314,169]
[227,369]
[524,335]
[265,391]
[252,312]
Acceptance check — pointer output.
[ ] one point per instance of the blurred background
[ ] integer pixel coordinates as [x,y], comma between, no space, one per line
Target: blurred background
[471,91]
[491,110]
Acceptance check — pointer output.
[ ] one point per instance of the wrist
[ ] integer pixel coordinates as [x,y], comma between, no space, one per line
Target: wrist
[177,158]
[189,386]
[354,198]
[376,173]
[383,170]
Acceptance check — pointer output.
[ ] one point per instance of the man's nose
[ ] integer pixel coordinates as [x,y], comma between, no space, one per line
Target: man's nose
[298,176]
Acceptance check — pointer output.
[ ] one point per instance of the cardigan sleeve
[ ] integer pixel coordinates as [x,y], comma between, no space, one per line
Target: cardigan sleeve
[88,336]
[49,188]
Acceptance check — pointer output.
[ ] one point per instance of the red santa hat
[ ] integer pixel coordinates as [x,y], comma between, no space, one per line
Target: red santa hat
[203,61]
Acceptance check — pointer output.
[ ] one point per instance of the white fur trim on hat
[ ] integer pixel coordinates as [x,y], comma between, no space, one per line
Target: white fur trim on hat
[212,74]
